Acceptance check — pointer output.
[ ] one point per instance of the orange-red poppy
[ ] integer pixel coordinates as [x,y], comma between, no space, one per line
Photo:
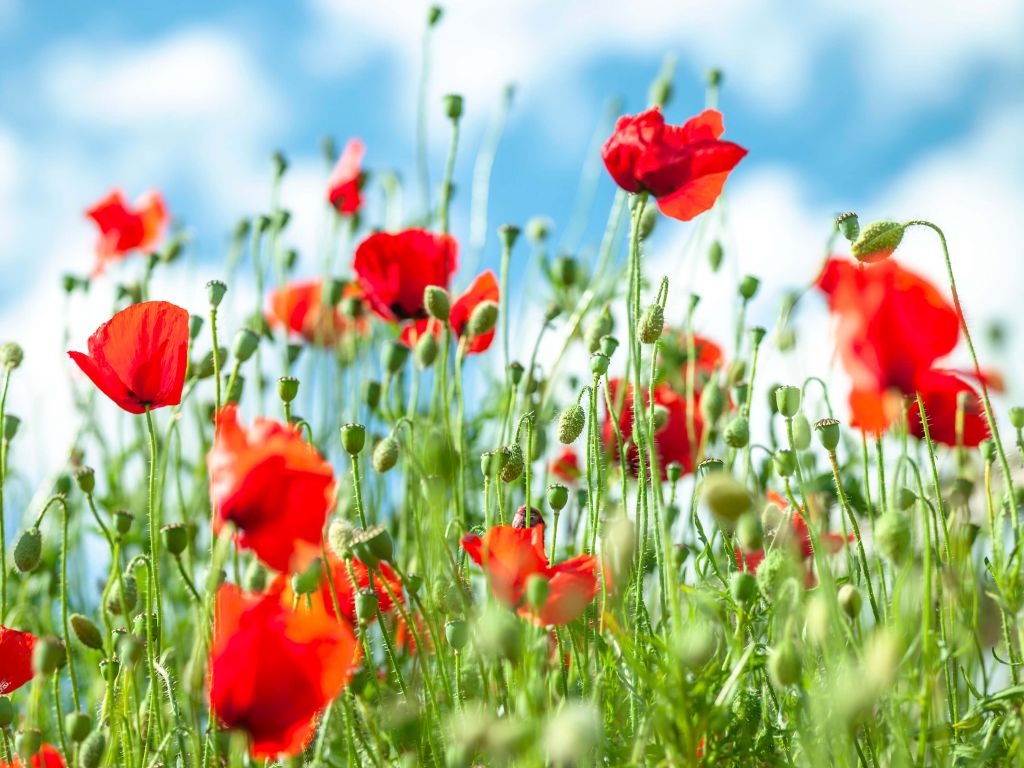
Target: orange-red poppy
[346,591]
[15,659]
[940,391]
[343,186]
[672,441]
[484,288]
[125,228]
[46,757]
[299,308]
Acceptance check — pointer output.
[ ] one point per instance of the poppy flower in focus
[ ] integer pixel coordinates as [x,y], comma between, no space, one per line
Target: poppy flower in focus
[346,591]
[566,466]
[273,486]
[484,288]
[299,307]
[138,357]
[46,757]
[683,166]
[125,228]
[672,441]
[394,268]
[940,391]
[273,669]
[15,659]
[510,556]
[346,178]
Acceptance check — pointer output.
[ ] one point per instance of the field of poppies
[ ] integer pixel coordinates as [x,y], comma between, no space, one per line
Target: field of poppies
[336,523]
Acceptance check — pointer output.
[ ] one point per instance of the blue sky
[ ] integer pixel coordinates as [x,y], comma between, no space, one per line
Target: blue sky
[893,109]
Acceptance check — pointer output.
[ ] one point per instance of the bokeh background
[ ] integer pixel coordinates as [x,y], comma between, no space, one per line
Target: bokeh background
[908,109]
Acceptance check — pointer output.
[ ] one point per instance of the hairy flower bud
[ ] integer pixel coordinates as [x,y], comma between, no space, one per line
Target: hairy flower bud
[245,345]
[652,324]
[715,255]
[571,423]
[878,241]
[515,463]
[48,655]
[784,664]
[393,356]
[737,432]
[92,751]
[483,318]
[86,631]
[437,302]
[725,497]
[385,454]
[11,355]
[801,432]
[742,587]
[28,550]
[426,351]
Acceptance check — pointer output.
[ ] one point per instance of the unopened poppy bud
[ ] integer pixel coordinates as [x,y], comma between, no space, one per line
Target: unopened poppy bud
[659,416]
[715,255]
[426,351]
[878,241]
[175,538]
[434,14]
[287,388]
[91,753]
[773,573]
[849,225]
[599,363]
[86,479]
[11,355]
[28,742]
[801,432]
[123,520]
[785,462]
[892,535]
[109,669]
[508,233]
[904,499]
[393,356]
[712,402]
[787,400]
[515,463]
[519,520]
[339,538]
[741,392]
[1017,417]
[558,496]
[492,462]
[652,324]
[62,485]
[750,532]
[353,438]
[537,589]
[737,432]
[538,229]
[385,454]
[122,605]
[453,105]
[850,600]
[737,372]
[748,287]
[608,345]
[77,726]
[828,433]
[307,581]
[742,587]
[48,655]
[10,426]
[725,497]
[515,373]
[86,631]
[215,290]
[6,713]
[366,605]
[456,632]
[28,550]
[245,345]
[254,579]
[648,220]
[437,302]
[661,91]
[565,271]
[483,318]
[784,664]
[279,163]
[371,394]
[571,423]
[988,450]
[674,471]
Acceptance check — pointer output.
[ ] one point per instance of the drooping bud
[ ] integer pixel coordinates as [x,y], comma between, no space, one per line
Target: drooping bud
[712,402]
[307,581]
[385,454]
[86,631]
[515,463]
[750,532]
[571,423]
[28,550]
[353,438]
[737,432]
[426,351]
[878,241]
[850,600]
[48,655]
[715,255]
[849,225]
[92,751]
[483,318]
[434,14]
[652,324]
[215,290]
[784,664]
[437,302]
[801,432]
[245,345]
[175,538]
[393,356]
[371,394]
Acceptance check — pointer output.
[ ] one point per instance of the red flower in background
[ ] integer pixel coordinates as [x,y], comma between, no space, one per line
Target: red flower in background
[299,307]
[939,392]
[274,487]
[683,167]
[672,441]
[125,228]
[393,270]
[346,591]
[273,670]
[15,659]
[484,288]
[346,179]
[566,466]
[510,556]
[46,757]
[138,357]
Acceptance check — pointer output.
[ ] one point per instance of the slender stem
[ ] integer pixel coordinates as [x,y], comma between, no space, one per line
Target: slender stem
[865,573]
[154,524]
[3,480]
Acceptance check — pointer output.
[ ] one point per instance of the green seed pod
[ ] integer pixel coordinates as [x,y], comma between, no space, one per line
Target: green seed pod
[757,334]
[385,454]
[775,571]
[801,432]
[10,426]
[785,664]
[787,401]
[86,631]
[737,432]
[725,497]
[515,373]
[828,433]
[674,471]
[6,713]
[482,319]
[366,605]
[353,438]
[1017,417]
[748,287]
[62,485]
[652,324]
[453,105]
[558,496]
[77,726]
[599,363]
[712,402]
[742,587]
[893,535]
[537,590]
[715,255]
[28,550]
[571,423]
[988,450]
[123,520]
[785,462]
[130,650]
[175,538]
[11,355]
[308,581]
[850,600]
[255,577]
[215,290]
[48,655]
[608,345]
[904,499]
[426,351]
[849,225]
[371,394]
[245,345]
[750,532]
[878,241]
[120,607]
[514,463]
[92,751]
[287,388]
[565,271]
[86,479]
[376,545]
[195,326]
[393,356]
[28,742]
[437,302]
[492,462]
[456,631]
[659,416]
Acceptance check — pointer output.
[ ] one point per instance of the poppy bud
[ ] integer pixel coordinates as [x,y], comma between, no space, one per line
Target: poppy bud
[537,589]
[674,471]
[828,433]
[892,535]
[742,587]
[175,538]
[62,485]
[660,91]
[353,438]
[215,290]
[565,271]
[456,631]
[92,751]
[371,394]
[255,577]
[737,373]
[434,14]
[109,669]
[695,645]
[784,664]
[801,432]
[715,255]
[750,532]
[28,742]
[777,568]
[849,224]
[519,520]
[599,363]
[77,726]
[339,538]
[748,287]
[123,520]
[737,432]
[11,355]
[850,600]
[508,233]
[426,351]
[452,106]
[245,345]
[652,324]
[1017,417]
[904,499]
[86,631]
[483,318]
[308,581]
[385,454]
[28,550]
[6,713]
[10,426]
[741,392]
[48,655]
[785,462]
[123,606]
[287,388]
[608,345]
[514,463]
[725,497]
[878,241]
[787,400]
[648,220]
[393,356]
[515,373]
[571,423]
[86,479]
[492,462]
[558,496]
[366,605]
[437,302]
[712,402]
[538,229]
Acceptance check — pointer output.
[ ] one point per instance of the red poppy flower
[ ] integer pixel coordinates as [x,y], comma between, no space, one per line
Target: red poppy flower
[138,357]
[393,270]
[274,669]
[940,391]
[15,659]
[672,441]
[346,591]
[510,556]
[125,228]
[683,166]
[566,466]
[345,180]
[299,307]
[274,487]
[484,288]
[46,757]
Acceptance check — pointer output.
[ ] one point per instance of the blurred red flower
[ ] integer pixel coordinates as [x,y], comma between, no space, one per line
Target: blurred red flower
[46,757]
[138,357]
[346,179]
[683,167]
[510,556]
[273,669]
[273,486]
[672,441]
[484,288]
[125,228]
[346,591]
[15,659]
[939,391]
[299,307]
[566,466]
[393,270]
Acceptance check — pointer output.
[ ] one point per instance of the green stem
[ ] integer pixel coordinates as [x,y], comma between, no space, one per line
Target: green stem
[154,524]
